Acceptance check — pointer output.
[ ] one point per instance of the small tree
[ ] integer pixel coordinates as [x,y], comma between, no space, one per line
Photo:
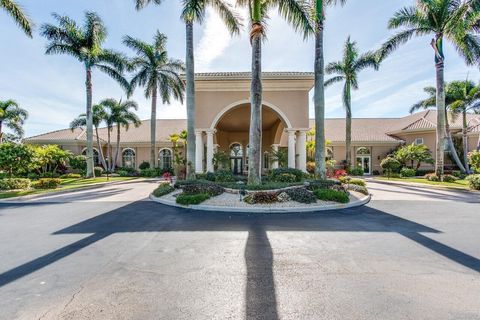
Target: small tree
[49,157]
[16,158]
[474,160]
[280,156]
[221,160]
[390,165]
[412,153]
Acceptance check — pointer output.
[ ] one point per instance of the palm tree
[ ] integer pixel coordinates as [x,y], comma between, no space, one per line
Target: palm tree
[453,20]
[347,71]
[121,115]
[318,19]
[12,117]
[158,74]
[85,44]
[194,11]
[99,115]
[296,13]
[15,10]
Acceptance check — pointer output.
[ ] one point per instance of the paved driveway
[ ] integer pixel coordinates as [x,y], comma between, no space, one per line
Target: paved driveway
[112,254]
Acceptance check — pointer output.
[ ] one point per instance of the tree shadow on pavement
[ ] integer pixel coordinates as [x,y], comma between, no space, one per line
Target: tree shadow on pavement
[260,290]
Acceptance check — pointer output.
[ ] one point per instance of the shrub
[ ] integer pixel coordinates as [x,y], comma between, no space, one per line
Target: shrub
[144,165]
[224,176]
[47,183]
[407,172]
[162,190]
[474,160]
[283,197]
[273,176]
[286,177]
[449,178]
[33,176]
[71,176]
[263,186]
[210,189]
[149,173]
[432,177]
[78,163]
[188,199]
[311,167]
[301,195]
[123,173]
[322,184]
[356,171]
[421,173]
[264,197]
[339,173]
[48,175]
[357,188]
[126,169]
[390,165]
[98,171]
[474,181]
[358,182]
[331,195]
[14,183]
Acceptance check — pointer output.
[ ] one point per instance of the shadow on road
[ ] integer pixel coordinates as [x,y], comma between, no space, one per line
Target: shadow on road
[260,290]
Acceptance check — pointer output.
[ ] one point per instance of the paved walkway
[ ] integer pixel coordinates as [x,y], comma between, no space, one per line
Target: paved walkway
[110,253]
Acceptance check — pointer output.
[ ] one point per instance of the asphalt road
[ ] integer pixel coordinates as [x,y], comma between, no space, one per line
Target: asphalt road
[109,253]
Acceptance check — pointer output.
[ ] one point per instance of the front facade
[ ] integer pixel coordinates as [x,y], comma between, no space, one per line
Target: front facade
[222,124]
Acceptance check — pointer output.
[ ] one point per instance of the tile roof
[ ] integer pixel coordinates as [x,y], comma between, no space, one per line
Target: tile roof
[247,75]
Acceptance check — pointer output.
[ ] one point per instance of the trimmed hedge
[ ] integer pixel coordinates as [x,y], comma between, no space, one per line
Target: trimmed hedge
[188,199]
[259,187]
[276,173]
[163,189]
[71,176]
[98,171]
[47,183]
[301,195]
[224,176]
[356,171]
[210,189]
[322,184]
[331,195]
[286,177]
[407,172]
[14,183]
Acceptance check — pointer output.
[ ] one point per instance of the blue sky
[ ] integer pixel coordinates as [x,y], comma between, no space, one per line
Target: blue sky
[52,88]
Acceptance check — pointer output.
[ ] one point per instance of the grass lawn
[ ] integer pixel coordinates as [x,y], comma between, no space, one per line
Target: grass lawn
[459,184]
[66,184]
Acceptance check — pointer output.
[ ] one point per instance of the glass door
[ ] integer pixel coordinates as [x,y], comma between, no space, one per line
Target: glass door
[364,162]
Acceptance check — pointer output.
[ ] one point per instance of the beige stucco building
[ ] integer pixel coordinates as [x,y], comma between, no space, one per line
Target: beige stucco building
[222,124]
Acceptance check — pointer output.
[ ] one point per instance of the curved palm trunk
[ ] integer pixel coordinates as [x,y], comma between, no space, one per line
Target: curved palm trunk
[190,93]
[255,136]
[465,139]
[109,148]
[319,101]
[348,126]
[451,145]
[88,83]
[153,128]
[100,150]
[118,148]
[1,133]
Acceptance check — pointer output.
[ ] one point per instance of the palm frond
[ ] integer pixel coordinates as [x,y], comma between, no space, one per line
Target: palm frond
[231,19]
[18,14]
[333,80]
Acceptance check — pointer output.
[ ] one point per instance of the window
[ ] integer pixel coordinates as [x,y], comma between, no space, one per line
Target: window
[128,158]
[236,150]
[165,159]
[266,161]
[363,151]
[96,156]
[418,141]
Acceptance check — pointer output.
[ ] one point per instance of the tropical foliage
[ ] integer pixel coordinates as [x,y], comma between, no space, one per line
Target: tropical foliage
[414,153]
[16,12]
[12,117]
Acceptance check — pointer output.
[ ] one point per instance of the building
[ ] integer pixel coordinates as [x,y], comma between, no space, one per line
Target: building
[222,124]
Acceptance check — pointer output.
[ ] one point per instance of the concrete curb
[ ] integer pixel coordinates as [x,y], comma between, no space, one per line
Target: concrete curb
[60,192]
[422,185]
[357,203]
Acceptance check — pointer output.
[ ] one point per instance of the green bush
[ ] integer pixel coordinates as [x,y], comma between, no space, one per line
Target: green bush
[123,173]
[390,165]
[286,177]
[98,171]
[275,173]
[149,173]
[474,181]
[331,195]
[356,171]
[144,165]
[407,172]
[258,187]
[421,173]
[71,176]
[47,183]
[188,199]
[33,176]
[78,163]
[301,195]
[224,176]
[322,184]
[474,160]
[432,177]
[449,178]
[205,188]
[49,175]
[358,182]
[163,189]
[14,183]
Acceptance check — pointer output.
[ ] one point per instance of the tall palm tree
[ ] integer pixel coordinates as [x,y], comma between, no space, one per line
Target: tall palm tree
[121,115]
[453,20]
[347,71]
[85,44]
[194,11]
[318,20]
[12,117]
[15,10]
[158,74]
[297,14]
[99,115]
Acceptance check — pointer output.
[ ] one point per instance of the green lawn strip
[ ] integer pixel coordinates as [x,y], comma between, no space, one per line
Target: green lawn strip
[67,184]
[459,184]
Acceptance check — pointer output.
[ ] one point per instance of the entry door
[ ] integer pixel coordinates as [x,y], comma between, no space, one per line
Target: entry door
[236,165]
[364,162]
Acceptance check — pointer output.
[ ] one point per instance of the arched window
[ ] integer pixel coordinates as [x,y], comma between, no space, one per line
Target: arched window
[96,156]
[165,159]
[236,150]
[329,154]
[128,158]
[363,151]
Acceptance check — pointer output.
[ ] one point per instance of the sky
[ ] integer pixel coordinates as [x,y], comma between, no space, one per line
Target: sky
[51,88]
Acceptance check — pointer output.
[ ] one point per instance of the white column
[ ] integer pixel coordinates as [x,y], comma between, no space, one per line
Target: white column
[275,163]
[302,151]
[198,151]
[291,149]
[210,150]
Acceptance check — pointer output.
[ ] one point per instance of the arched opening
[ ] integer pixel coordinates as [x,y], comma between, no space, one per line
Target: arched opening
[236,158]
[96,155]
[364,159]
[128,158]
[165,159]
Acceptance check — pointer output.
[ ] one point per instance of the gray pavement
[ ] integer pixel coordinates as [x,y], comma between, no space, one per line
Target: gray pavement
[110,253]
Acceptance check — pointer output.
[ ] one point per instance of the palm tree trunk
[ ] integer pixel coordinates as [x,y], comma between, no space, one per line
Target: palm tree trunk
[319,100]
[190,93]
[118,147]
[109,148]
[100,150]
[88,83]
[439,69]
[465,139]
[348,126]
[451,145]
[153,127]
[255,138]
[1,133]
